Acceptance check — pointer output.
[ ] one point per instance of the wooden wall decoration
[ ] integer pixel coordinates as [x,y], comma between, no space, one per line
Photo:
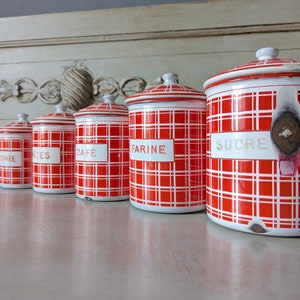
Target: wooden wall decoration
[76,90]
[26,90]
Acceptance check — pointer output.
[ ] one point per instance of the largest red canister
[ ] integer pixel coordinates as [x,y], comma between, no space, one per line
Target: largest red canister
[102,151]
[16,153]
[167,132]
[53,150]
[253,180]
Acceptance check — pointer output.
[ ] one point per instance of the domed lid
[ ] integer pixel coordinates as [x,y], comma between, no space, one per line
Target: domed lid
[266,65]
[59,117]
[170,90]
[22,125]
[107,107]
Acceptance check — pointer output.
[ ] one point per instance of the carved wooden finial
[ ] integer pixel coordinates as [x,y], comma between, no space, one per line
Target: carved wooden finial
[77,87]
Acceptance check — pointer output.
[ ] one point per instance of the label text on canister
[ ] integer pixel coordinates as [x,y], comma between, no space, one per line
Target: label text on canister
[46,155]
[10,158]
[91,152]
[242,145]
[152,150]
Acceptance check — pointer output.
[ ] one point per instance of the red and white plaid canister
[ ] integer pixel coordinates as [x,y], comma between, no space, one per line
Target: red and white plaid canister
[54,152]
[253,180]
[102,151]
[167,131]
[16,154]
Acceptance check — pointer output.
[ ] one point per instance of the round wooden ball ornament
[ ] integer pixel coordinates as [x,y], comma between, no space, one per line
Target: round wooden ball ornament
[77,87]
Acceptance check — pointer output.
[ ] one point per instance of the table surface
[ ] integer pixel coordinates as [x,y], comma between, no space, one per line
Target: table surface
[60,247]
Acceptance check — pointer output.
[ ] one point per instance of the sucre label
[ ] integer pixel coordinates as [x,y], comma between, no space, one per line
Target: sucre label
[11,158]
[152,150]
[91,152]
[46,155]
[242,145]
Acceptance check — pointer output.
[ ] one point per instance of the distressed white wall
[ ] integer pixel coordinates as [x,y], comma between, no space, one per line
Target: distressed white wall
[11,8]
[194,40]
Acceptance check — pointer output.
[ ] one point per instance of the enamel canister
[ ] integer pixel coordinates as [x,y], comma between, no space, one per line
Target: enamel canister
[253,179]
[167,133]
[16,153]
[54,152]
[102,151]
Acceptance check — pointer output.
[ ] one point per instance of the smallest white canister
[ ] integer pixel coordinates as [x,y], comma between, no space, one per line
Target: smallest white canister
[16,154]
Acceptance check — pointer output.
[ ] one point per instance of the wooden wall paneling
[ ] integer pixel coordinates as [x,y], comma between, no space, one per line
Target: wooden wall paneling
[195,40]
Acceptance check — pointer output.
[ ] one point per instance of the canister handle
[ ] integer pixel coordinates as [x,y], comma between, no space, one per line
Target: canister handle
[22,117]
[170,78]
[108,98]
[267,53]
[60,108]
[285,130]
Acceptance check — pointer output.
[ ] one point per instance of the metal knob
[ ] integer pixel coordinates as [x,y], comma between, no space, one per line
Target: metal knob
[285,133]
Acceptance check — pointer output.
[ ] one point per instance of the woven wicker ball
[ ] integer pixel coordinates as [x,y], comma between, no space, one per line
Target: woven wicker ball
[77,87]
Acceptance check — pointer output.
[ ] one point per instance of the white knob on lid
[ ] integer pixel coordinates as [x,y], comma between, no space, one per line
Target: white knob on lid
[108,98]
[170,78]
[267,53]
[22,117]
[60,108]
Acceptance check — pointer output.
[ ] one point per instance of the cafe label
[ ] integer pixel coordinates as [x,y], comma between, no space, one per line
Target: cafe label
[91,152]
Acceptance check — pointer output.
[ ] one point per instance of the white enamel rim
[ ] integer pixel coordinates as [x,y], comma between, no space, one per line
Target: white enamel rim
[164,97]
[263,55]
[54,191]
[284,232]
[165,209]
[155,94]
[104,199]
[295,68]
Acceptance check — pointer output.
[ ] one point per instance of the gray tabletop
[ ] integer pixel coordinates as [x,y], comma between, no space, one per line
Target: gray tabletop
[60,247]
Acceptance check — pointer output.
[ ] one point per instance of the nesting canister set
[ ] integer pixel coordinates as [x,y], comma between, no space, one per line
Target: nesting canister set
[232,150]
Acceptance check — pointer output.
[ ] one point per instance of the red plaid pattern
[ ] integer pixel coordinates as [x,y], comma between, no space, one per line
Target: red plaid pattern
[108,179]
[16,174]
[239,191]
[179,183]
[55,176]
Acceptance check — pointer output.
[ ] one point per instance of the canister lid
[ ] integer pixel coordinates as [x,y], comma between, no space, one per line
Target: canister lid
[59,117]
[22,125]
[266,65]
[107,107]
[169,90]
